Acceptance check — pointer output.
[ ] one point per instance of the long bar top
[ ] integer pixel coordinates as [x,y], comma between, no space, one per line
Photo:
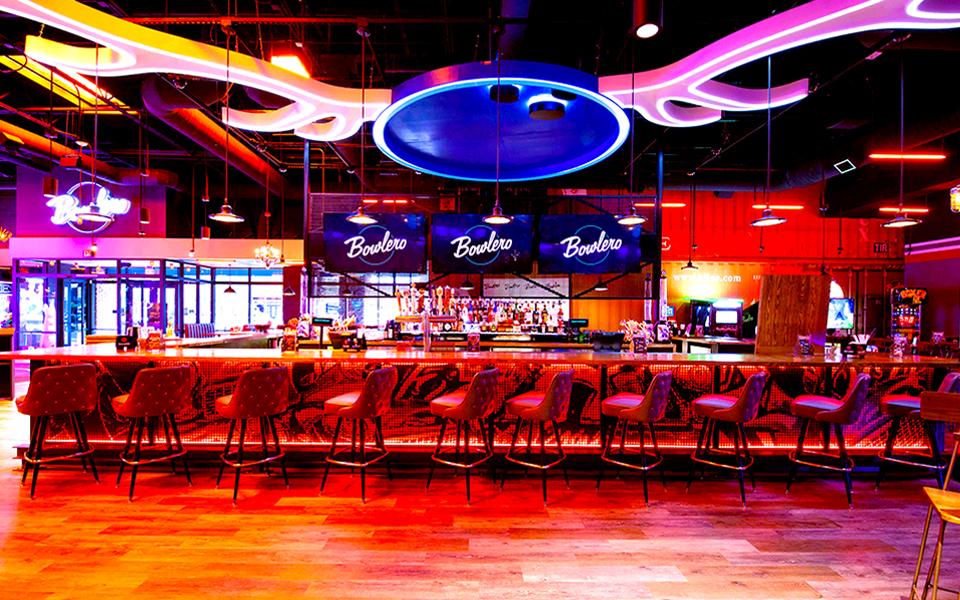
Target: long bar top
[107,352]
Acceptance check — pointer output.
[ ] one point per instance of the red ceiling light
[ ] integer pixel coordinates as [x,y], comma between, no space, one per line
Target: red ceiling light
[663,205]
[913,156]
[904,210]
[779,206]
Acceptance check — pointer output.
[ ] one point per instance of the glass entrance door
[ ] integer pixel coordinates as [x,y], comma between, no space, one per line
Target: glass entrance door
[75,312]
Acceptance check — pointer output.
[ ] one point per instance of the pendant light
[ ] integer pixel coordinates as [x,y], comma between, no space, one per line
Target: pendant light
[226,214]
[267,253]
[360,217]
[902,219]
[693,229]
[496,217]
[230,289]
[632,219]
[601,285]
[193,212]
[767,217]
[92,212]
[467,285]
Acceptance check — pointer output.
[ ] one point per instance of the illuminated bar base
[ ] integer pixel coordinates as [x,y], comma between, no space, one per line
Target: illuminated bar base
[319,375]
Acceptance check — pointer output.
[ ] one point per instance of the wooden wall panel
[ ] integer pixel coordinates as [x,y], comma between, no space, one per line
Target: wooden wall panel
[791,305]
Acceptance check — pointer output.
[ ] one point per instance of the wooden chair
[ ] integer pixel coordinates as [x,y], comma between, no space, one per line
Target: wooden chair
[938,406]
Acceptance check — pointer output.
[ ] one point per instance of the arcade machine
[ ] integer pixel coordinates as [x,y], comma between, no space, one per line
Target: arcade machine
[906,306]
[726,318]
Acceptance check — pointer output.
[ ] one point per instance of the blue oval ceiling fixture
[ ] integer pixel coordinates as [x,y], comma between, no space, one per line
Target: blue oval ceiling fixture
[553,121]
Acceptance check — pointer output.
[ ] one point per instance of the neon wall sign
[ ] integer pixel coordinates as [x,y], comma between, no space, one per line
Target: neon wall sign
[69,209]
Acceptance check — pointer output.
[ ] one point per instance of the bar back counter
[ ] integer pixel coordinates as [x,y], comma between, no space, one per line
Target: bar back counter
[317,375]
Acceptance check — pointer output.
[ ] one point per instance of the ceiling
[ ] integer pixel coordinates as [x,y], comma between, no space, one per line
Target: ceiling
[853,108]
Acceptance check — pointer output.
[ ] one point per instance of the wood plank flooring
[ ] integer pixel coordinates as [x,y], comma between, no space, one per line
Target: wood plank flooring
[82,540]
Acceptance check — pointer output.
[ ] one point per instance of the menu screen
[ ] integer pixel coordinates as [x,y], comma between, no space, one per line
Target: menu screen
[396,243]
[465,244]
[588,244]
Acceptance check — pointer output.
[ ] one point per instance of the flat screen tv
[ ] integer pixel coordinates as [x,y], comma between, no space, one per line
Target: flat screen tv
[841,313]
[727,316]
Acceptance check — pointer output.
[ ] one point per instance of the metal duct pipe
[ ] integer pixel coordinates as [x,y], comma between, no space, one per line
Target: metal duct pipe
[181,113]
[514,13]
[71,158]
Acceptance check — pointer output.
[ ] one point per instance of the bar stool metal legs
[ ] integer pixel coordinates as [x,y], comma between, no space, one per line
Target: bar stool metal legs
[801,456]
[174,445]
[462,461]
[546,461]
[357,447]
[647,460]
[934,461]
[236,459]
[709,453]
[33,457]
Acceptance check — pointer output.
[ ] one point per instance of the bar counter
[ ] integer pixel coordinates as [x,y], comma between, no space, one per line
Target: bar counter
[317,375]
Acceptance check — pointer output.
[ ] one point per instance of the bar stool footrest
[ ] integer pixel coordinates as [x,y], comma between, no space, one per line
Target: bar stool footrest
[155,459]
[620,460]
[902,459]
[226,458]
[357,465]
[534,465]
[705,460]
[437,457]
[51,459]
[847,467]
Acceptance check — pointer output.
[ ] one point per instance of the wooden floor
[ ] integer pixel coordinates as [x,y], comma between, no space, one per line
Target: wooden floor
[82,540]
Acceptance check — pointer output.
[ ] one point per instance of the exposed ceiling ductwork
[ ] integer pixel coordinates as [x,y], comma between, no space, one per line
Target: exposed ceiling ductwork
[21,141]
[181,113]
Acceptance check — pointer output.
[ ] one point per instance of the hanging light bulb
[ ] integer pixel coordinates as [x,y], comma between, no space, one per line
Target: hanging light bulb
[689,266]
[632,219]
[226,215]
[901,220]
[360,217]
[601,285]
[497,217]
[955,199]
[467,285]
[230,290]
[289,291]
[204,232]
[92,214]
[768,219]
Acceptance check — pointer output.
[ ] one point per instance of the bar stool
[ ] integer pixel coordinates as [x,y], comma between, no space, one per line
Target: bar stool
[717,410]
[901,406]
[540,407]
[943,407]
[643,411]
[829,411]
[464,406]
[260,394]
[371,402]
[156,394]
[69,390]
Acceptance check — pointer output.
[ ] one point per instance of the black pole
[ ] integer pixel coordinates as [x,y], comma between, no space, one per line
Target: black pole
[307,259]
[658,231]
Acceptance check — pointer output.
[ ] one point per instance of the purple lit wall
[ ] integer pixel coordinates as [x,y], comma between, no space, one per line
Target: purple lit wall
[33,216]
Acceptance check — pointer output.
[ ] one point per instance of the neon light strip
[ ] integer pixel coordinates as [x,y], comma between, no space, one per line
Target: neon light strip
[906,156]
[904,210]
[692,79]
[779,206]
[664,205]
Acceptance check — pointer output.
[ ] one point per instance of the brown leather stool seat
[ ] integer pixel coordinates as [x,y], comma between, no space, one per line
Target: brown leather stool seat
[369,403]
[828,411]
[66,390]
[474,404]
[640,410]
[540,408]
[260,394]
[902,406]
[718,410]
[157,394]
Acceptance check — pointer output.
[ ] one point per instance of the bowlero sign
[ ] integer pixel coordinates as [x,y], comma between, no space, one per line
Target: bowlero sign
[465,244]
[588,244]
[396,243]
